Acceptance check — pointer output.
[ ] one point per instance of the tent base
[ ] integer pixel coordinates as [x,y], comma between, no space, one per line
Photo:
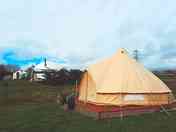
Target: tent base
[103,112]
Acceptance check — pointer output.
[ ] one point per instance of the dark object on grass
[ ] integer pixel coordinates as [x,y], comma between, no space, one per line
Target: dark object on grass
[71,101]
[62,98]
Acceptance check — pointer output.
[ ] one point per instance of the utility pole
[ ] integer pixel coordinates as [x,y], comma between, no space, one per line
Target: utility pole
[136,54]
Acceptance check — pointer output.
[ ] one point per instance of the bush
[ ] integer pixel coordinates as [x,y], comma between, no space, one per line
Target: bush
[62,77]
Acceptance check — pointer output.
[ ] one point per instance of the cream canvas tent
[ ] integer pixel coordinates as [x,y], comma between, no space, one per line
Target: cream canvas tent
[120,80]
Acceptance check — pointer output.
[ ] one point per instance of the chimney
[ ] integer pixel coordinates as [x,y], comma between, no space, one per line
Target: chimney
[45,62]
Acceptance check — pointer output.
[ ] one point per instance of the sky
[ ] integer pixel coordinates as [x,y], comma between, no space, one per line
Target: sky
[81,32]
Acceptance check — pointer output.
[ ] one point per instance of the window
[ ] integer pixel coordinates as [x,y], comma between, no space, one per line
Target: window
[134,97]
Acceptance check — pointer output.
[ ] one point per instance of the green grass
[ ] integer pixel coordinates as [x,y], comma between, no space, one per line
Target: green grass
[32,107]
[12,92]
[50,117]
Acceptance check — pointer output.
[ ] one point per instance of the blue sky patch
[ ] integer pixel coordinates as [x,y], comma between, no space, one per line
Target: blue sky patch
[10,58]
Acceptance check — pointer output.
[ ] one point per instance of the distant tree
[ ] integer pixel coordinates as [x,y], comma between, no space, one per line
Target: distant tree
[63,76]
[12,68]
[7,70]
[75,75]
[57,77]
[2,71]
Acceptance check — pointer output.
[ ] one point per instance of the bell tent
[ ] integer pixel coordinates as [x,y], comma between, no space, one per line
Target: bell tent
[121,81]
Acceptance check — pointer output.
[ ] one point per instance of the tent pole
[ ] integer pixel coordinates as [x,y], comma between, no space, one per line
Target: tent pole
[76,86]
[76,90]
[121,112]
[167,113]
[86,87]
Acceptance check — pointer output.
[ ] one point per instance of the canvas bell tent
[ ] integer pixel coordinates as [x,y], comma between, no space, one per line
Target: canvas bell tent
[121,81]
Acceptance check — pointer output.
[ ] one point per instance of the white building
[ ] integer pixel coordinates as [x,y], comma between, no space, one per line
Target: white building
[46,66]
[19,74]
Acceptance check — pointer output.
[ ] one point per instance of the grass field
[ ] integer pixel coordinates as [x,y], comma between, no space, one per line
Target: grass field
[16,92]
[50,117]
[32,107]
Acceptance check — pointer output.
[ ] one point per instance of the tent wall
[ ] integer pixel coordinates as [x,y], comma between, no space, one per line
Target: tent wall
[87,90]
[127,99]
[82,88]
[133,99]
[87,93]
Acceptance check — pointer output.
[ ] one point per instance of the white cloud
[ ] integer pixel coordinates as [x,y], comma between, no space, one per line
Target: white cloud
[82,31]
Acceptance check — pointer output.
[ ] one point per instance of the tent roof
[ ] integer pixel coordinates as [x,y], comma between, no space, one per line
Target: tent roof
[123,74]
